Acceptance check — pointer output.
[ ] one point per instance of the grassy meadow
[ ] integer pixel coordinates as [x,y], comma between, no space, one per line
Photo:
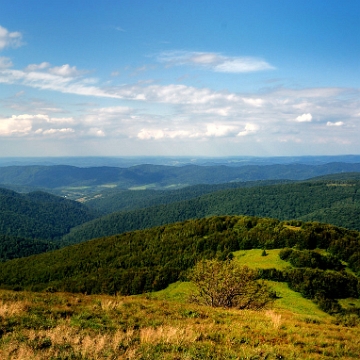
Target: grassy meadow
[69,326]
[166,325]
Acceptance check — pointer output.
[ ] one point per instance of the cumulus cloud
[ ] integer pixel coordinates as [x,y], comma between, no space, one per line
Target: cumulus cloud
[147,134]
[9,39]
[189,131]
[304,118]
[16,125]
[215,61]
[217,130]
[186,112]
[257,102]
[27,124]
[249,129]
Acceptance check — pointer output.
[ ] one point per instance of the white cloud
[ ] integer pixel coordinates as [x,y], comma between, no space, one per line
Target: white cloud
[249,129]
[219,130]
[215,61]
[96,132]
[27,116]
[253,102]
[242,65]
[160,134]
[171,94]
[5,62]
[113,110]
[185,112]
[27,124]
[337,123]
[65,71]
[221,111]
[304,118]
[146,134]
[58,131]
[175,94]
[46,81]
[188,131]
[9,39]
[16,125]
[67,120]
[37,67]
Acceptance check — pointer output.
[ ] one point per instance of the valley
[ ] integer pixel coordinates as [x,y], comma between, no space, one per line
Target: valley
[113,268]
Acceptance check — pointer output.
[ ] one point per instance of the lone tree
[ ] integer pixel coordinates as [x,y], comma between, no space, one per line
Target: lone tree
[227,284]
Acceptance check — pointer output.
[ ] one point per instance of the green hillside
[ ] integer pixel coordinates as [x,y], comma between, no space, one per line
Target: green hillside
[151,259]
[114,200]
[39,215]
[14,247]
[315,314]
[330,202]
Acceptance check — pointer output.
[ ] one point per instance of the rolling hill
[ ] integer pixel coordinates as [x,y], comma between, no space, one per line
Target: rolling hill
[315,315]
[327,201]
[151,259]
[39,215]
[114,200]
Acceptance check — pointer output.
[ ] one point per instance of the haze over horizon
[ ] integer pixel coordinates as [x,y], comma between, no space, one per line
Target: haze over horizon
[179,78]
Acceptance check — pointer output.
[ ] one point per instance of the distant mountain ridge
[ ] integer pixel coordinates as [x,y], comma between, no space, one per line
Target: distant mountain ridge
[129,161]
[162,176]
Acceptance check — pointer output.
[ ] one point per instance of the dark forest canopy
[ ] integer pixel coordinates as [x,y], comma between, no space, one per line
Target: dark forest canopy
[39,215]
[335,202]
[151,259]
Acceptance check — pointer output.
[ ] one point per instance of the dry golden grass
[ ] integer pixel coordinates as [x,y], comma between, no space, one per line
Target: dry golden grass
[66,326]
[8,309]
[275,318]
[167,335]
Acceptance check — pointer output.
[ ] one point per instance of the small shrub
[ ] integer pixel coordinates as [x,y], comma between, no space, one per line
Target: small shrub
[226,284]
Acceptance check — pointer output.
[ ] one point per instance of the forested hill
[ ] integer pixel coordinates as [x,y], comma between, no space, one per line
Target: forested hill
[332,202]
[39,215]
[161,176]
[151,259]
[114,200]
[15,247]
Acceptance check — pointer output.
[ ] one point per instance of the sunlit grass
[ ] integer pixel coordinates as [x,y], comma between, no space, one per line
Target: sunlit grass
[255,260]
[293,302]
[179,291]
[74,326]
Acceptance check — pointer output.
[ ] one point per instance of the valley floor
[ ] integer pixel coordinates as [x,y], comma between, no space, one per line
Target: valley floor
[76,326]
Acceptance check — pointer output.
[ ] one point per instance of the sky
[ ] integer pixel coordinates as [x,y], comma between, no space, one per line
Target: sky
[179,78]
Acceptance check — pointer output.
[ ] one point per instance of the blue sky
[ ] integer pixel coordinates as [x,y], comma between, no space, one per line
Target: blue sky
[167,77]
